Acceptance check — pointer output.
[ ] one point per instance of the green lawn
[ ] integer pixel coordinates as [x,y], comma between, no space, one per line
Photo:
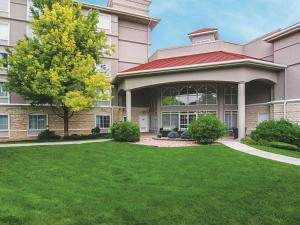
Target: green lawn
[112,183]
[278,151]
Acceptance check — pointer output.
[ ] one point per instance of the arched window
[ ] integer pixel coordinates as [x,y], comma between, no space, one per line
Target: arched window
[193,96]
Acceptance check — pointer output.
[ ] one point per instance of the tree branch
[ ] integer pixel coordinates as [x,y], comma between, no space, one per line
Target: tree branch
[72,114]
[55,110]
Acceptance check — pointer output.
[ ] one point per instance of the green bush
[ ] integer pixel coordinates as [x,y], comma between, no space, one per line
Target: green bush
[173,134]
[277,131]
[283,145]
[248,141]
[47,135]
[95,130]
[207,129]
[125,132]
[86,136]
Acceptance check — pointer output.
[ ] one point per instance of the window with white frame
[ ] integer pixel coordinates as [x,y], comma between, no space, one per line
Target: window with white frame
[202,94]
[106,103]
[231,94]
[4,122]
[3,55]
[231,119]
[181,120]
[38,122]
[3,92]
[4,31]
[103,121]
[4,5]
[204,113]
[170,120]
[104,68]
[104,22]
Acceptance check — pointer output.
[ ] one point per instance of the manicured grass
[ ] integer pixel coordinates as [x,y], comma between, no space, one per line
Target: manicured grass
[112,183]
[290,153]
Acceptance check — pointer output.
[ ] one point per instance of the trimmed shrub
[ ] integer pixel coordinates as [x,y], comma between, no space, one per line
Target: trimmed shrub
[125,132]
[277,131]
[48,135]
[86,136]
[248,141]
[283,145]
[207,129]
[186,135]
[95,130]
[173,134]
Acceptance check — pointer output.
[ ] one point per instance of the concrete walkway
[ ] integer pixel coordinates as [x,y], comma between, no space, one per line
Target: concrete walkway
[52,143]
[267,155]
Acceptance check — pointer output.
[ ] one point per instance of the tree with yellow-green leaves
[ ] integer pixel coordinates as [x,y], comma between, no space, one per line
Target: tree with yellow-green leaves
[57,66]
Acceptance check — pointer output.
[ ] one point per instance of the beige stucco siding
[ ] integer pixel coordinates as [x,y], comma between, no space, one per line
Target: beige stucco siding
[287,52]
[197,49]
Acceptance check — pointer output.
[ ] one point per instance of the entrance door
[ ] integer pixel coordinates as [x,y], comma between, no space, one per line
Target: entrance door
[143,121]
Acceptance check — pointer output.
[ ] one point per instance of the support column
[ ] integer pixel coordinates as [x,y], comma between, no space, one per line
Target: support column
[221,102]
[128,105]
[241,110]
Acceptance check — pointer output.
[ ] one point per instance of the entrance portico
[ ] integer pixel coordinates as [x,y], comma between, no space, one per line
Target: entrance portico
[189,86]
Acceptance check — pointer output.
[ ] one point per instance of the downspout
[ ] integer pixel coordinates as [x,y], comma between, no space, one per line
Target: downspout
[285,102]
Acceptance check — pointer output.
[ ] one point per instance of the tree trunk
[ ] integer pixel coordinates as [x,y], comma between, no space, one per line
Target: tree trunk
[66,121]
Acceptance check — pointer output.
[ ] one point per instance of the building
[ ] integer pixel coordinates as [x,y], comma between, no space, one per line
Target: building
[242,84]
[128,27]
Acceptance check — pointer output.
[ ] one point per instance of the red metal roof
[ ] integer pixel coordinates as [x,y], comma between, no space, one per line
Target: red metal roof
[189,60]
[203,30]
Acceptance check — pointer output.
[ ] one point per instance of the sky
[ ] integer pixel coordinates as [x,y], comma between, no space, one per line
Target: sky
[238,21]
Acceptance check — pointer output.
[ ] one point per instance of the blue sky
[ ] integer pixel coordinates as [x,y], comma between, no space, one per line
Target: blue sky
[238,20]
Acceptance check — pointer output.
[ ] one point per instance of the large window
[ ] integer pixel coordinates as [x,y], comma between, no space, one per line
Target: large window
[3,56]
[38,122]
[3,92]
[181,120]
[104,22]
[170,120]
[103,121]
[4,31]
[3,122]
[204,94]
[4,5]
[231,94]
[231,118]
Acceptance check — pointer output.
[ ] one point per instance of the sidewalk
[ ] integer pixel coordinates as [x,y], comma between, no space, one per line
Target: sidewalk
[52,143]
[267,155]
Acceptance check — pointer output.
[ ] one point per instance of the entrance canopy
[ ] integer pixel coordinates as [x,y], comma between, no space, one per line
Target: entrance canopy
[214,66]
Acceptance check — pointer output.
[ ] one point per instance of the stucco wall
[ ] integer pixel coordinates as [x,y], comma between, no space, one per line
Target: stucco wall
[286,51]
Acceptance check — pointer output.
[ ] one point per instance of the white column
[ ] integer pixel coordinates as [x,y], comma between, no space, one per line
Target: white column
[241,109]
[128,105]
